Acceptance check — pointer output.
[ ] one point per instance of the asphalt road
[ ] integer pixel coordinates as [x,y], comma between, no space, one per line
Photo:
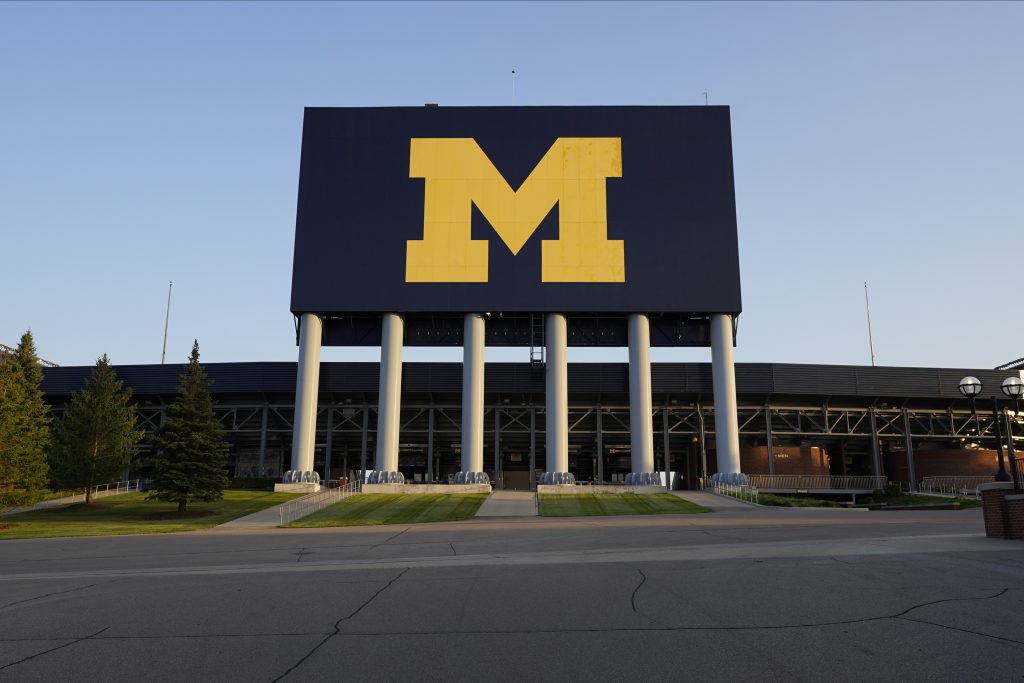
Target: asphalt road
[738,594]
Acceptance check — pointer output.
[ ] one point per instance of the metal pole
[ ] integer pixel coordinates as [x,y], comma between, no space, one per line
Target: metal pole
[473,393]
[1001,475]
[430,445]
[1011,451]
[390,392]
[263,441]
[876,459]
[723,372]
[769,439]
[665,446]
[533,445]
[497,447]
[366,436]
[167,321]
[909,441]
[871,341]
[306,389]
[703,442]
[641,427]
[556,381]
[600,446]
[329,442]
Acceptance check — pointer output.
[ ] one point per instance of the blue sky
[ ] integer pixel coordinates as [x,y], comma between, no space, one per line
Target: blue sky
[145,142]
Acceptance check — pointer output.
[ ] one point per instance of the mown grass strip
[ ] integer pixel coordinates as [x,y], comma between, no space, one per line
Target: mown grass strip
[592,504]
[368,509]
[131,513]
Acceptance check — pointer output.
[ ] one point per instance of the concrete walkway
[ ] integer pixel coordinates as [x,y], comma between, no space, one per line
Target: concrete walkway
[267,518]
[714,501]
[509,504]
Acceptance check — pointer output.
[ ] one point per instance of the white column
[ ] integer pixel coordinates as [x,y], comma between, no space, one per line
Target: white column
[556,382]
[473,393]
[307,384]
[723,373]
[390,392]
[641,429]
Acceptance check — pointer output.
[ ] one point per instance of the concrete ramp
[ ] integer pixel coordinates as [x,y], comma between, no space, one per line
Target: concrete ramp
[509,504]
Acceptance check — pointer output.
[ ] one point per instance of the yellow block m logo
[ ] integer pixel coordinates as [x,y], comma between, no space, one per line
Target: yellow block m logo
[572,174]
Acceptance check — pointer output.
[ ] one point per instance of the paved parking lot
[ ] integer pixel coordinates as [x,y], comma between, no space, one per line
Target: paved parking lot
[739,593]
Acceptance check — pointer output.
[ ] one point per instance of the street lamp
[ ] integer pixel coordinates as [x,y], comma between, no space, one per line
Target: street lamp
[971,387]
[1013,387]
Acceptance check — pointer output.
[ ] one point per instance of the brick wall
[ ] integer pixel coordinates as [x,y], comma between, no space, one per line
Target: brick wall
[964,462]
[1003,511]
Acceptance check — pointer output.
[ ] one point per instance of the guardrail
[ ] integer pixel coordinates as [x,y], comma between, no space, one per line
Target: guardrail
[798,482]
[955,485]
[747,493]
[111,489]
[307,505]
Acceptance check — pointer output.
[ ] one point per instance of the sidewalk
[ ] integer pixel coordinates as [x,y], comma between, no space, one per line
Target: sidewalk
[268,518]
[509,504]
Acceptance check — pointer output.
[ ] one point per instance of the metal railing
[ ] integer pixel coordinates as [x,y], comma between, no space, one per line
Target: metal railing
[807,481]
[739,491]
[307,505]
[955,485]
[111,489]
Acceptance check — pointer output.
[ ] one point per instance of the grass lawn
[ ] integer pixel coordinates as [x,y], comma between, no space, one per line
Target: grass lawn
[558,505]
[131,513]
[366,509]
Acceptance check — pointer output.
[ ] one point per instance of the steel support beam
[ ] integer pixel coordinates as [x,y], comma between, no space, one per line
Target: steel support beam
[768,438]
[556,381]
[390,393]
[909,443]
[473,393]
[723,375]
[641,428]
[306,389]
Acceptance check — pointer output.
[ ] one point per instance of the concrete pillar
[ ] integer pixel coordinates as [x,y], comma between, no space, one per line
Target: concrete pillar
[641,429]
[556,384]
[473,393]
[307,384]
[723,373]
[390,392]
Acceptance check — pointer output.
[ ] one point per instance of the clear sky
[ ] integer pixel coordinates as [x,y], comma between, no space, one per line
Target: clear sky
[146,142]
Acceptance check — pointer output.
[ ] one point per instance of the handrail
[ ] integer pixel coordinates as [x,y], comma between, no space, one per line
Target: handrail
[307,505]
[815,481]
[955,485]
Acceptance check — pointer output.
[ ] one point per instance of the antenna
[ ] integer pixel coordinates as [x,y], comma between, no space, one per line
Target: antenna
[705,98]
[871,341]
[167,320]
[513,87]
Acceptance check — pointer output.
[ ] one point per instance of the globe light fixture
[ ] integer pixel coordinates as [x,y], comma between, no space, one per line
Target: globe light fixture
[970,387]
[1013,387]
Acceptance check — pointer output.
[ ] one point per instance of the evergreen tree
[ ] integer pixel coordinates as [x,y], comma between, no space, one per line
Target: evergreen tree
[24,426]
[190,451]
[94,438]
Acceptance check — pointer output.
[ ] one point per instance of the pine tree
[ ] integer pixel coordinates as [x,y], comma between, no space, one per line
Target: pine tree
[24,426]
[94,438]
[190,451]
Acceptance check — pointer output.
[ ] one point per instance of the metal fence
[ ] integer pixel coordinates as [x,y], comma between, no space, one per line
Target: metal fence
[110,489]
[747,493]
[799,482]
[307,505]
[955,485]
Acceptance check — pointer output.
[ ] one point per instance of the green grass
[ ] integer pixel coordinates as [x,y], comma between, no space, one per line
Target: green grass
[131,513]
[559,505]
[795,501]
[378,508]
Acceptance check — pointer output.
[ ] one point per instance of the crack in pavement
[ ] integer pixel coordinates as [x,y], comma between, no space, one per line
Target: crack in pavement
[625,629]
[53,649]
[337,625]
[46,595]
